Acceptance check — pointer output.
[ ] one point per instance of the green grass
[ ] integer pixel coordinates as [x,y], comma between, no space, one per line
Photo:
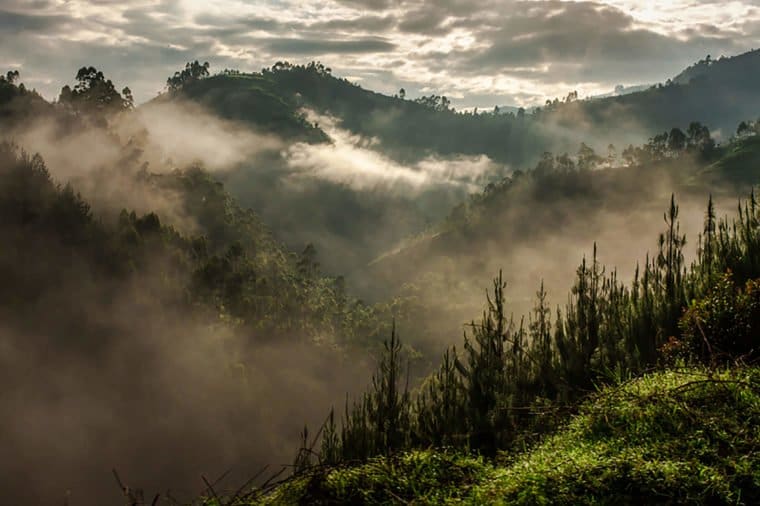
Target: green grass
[668,438]
[688,437]
[422,477]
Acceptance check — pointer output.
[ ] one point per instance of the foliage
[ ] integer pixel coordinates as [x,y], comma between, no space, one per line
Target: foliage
[95,95]
[422,477]
[679,437]
[254,99]
[724,324]
[192,72]
[668,438]
[235,270]
[378,423]
[17,102]
[512,380]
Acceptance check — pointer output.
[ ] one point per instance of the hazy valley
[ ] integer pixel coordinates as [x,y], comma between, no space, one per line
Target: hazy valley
[262,276]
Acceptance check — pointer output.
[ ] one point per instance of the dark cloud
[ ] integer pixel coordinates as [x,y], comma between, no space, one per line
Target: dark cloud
[371,23]
[423,21]
[318,47]
[14,23]
[370,4]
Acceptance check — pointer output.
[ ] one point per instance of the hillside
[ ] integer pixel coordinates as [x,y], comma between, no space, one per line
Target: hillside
[608,183]
[115,314]
[253,99]
[719,95]
[678,437]
[347,200]
[156,291]
[435,252]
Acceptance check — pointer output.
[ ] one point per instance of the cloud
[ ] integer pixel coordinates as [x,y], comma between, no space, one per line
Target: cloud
[358,163]
[320,47]
[12,22]
[582,42]
[484,51]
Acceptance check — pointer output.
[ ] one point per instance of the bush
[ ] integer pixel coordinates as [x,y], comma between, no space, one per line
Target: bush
[723,325]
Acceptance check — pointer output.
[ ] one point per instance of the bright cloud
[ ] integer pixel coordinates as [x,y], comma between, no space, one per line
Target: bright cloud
[352,160]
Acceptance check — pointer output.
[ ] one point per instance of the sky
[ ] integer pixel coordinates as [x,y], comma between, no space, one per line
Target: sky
[476,52]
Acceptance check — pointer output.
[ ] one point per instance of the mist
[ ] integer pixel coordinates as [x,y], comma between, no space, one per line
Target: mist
[351,197]
[220,284]
[161,396]
[361,164]
[101,373]
[537,236]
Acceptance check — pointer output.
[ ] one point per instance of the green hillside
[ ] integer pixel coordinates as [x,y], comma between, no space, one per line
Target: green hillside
[677,437]
[520,391]
[720,95]
[254,99]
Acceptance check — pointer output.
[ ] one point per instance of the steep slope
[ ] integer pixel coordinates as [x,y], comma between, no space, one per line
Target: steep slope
[744,66]
[254,99]
[680,437]
[718,94]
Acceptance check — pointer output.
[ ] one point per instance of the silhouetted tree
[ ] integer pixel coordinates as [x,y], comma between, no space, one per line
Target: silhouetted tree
[192,72]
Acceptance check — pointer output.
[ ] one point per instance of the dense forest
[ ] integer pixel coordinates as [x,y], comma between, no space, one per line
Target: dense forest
[192,282]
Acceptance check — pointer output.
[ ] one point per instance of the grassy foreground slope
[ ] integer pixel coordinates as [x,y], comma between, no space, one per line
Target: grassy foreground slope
[674,437]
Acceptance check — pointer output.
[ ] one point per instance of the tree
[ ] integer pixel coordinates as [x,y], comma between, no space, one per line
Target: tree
[435,102]
[658,145]
[676,141]
[587,157]
[699,138]
[630,155]
[611,155]
[307,263]
[402,94]
[10,77]
[746,129]
[93,93]
[192,72]
[129,101]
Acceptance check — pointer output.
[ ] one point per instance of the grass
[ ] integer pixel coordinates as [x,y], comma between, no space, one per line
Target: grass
[675,437]
[667,438]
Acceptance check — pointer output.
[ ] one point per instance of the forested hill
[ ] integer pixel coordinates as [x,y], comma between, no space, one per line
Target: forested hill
[744,67]
[179,320]
[536,224]
[719,94]
[254,99]
[17,103]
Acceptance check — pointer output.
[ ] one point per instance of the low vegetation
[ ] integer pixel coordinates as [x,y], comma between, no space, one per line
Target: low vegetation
[682,436]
